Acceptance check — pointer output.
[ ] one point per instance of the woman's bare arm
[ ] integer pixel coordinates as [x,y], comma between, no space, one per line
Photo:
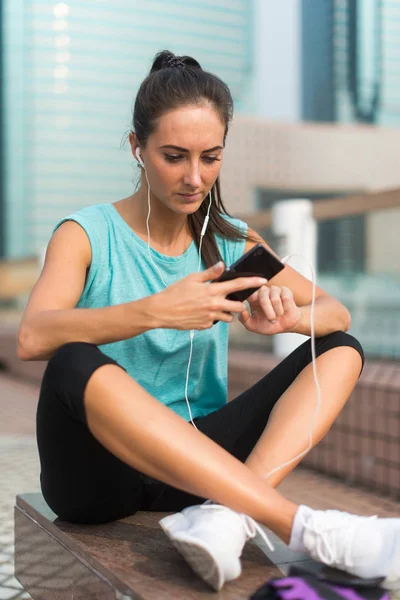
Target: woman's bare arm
[51,319]
[330,314]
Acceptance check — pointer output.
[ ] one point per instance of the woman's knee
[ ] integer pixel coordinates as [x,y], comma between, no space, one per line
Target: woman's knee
[340,339]
[72,364]
[71,356]
[67,374]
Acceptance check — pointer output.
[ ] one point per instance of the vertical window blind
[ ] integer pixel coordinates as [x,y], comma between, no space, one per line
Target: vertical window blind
[72,72]
[367,61]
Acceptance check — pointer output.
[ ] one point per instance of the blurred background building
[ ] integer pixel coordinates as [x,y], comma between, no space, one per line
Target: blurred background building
[316,86]
[71,72]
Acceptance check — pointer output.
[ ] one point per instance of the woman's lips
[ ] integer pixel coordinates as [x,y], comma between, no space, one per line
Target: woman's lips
[190,196]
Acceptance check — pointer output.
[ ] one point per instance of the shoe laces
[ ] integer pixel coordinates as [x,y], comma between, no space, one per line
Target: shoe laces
[251,527]
[329,551]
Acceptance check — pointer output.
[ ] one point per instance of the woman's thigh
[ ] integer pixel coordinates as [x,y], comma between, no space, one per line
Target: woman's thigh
[238,425]
[81,480]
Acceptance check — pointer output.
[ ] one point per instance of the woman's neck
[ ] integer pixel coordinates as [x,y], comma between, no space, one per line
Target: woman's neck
[169,233]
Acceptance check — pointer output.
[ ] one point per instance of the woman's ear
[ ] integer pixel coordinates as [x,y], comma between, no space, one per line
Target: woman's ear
[133,142]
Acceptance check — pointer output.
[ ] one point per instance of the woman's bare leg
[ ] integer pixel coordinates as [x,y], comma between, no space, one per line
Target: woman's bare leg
[145,434]
[287,432]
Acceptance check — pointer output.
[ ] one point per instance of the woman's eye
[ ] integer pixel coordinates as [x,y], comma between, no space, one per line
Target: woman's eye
[172,157]
[211,159]
[175,157]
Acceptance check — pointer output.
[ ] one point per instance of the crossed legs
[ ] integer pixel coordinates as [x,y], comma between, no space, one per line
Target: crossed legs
[99,431]
[149,437]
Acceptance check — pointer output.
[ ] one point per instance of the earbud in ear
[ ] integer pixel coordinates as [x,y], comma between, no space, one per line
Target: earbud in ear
[139,158]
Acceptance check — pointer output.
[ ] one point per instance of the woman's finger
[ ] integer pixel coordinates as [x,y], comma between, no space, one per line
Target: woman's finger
[287,299]
[266,305]
[275,297]
[244,316]
[254,296]
[288,305]
[286,293]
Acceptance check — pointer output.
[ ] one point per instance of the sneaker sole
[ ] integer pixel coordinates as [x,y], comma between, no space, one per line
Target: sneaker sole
[196,554]
[391,584]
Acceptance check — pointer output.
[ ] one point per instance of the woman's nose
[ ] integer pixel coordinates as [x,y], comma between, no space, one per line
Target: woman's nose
[192,176]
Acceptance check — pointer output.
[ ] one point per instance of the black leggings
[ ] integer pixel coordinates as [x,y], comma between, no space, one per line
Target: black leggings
[83,482]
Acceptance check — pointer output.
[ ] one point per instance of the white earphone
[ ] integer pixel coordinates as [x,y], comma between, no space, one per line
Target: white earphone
[203,231]
[138,156]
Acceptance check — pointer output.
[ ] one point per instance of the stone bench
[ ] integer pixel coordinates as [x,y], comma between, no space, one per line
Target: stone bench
[125,560]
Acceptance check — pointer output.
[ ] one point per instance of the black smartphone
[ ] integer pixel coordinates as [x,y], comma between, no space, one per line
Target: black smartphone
[256,262]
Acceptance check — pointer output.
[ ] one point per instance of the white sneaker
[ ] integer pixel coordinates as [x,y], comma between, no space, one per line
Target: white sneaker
[211,538]
[364,546]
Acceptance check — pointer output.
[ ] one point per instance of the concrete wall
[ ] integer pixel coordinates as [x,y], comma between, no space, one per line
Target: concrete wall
[306,155]
[322,157]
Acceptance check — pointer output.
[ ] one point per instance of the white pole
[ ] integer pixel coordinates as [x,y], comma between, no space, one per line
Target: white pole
[293,223]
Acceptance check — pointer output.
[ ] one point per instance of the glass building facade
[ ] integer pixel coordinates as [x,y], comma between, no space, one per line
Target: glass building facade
[71,71]
[351,61]
[351,74]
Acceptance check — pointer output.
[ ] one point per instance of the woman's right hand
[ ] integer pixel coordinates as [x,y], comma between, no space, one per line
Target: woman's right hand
[194,303]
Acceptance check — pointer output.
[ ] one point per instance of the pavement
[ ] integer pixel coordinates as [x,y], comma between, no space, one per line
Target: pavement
[19,469]
[19,473]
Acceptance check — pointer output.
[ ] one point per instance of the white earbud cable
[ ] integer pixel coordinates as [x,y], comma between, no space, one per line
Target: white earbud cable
[192,333]
[313,355]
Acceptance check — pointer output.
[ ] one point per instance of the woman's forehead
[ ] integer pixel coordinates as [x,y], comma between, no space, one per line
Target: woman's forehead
[201,125]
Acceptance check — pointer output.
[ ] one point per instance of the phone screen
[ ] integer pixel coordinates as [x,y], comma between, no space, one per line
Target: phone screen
[256,262]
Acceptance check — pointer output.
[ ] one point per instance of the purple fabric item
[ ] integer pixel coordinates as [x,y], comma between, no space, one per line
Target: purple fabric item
[350,594]
[299,589]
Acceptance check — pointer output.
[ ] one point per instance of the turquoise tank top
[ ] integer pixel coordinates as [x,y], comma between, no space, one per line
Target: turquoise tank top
[121,272]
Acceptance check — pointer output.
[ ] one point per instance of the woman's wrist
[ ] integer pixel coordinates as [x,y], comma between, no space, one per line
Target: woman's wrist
[303,324]
[151,312]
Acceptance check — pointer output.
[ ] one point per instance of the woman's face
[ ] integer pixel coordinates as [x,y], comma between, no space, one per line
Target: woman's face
[183,157]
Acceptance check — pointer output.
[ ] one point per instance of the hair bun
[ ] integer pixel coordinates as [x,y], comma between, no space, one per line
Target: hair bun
[168,60]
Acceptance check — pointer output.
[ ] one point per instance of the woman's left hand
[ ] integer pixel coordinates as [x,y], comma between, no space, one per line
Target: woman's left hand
[273,310]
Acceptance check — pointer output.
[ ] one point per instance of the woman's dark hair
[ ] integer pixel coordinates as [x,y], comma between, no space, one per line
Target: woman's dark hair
[176,81]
